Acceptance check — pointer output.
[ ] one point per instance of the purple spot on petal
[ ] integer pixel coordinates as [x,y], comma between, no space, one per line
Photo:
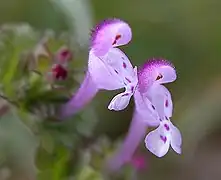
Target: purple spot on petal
[126,94]
[132,88]
[167,103]
[116,71]
[153,107]
[167,127]
[128,80]
[124,65]
[163,138]
[166,118]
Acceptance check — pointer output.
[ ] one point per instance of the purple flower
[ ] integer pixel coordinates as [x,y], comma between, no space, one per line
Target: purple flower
[153,107]
[108,67]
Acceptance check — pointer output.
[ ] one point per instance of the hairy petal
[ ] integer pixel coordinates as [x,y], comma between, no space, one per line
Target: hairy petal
[109,33]
[155,71]
[81,98]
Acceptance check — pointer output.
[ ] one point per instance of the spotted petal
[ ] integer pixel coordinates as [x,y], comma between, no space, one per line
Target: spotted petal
[161,100]
[109,33]
[176,139]
[157,142]
[146,109]
[103,74]
[112,71]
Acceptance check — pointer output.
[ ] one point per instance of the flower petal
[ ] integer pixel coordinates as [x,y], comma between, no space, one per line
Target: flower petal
[157,142]
[120,64]
[155,71]
[161,100]
[112,71]
[146,109]
[102,74]
[168,103]
[176,139]
[120,101]
[81,98]
[110,33]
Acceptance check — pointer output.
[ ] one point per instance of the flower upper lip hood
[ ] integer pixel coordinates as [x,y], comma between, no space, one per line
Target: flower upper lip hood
[155,70]
[109,33]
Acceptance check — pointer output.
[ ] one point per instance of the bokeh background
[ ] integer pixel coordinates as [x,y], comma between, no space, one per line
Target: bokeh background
[32,146]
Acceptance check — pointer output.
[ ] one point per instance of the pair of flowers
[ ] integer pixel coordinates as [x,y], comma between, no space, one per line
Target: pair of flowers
[110,69]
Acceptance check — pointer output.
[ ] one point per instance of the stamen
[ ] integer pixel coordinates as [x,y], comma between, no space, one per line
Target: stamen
[118,36]
[160,76]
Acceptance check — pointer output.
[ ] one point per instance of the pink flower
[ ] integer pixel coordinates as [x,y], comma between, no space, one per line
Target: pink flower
[108,67]
[153,107]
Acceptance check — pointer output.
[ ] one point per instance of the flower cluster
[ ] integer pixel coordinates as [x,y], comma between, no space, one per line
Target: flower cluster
[110,69]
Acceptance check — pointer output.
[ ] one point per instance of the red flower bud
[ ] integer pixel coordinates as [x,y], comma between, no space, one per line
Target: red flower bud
[59,72]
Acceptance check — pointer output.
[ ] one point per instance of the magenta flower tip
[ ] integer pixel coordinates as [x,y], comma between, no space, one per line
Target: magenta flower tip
[108,34]
[155,70]
[155,63]
[100,26]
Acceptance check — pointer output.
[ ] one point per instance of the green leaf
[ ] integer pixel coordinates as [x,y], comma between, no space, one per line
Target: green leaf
[47,142]
[44,64]
[59,168]
[88,173]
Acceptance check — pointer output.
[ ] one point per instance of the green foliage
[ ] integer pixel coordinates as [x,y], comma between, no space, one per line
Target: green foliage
[33,97]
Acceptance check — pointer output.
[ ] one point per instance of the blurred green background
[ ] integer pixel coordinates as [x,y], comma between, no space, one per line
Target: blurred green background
[186,32]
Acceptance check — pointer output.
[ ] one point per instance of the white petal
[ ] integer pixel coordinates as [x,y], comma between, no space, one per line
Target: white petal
[158,142]
[112,71]
[161,99]
[145,108]
[102,74]
[120,62]
[176,139]
[120,101]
